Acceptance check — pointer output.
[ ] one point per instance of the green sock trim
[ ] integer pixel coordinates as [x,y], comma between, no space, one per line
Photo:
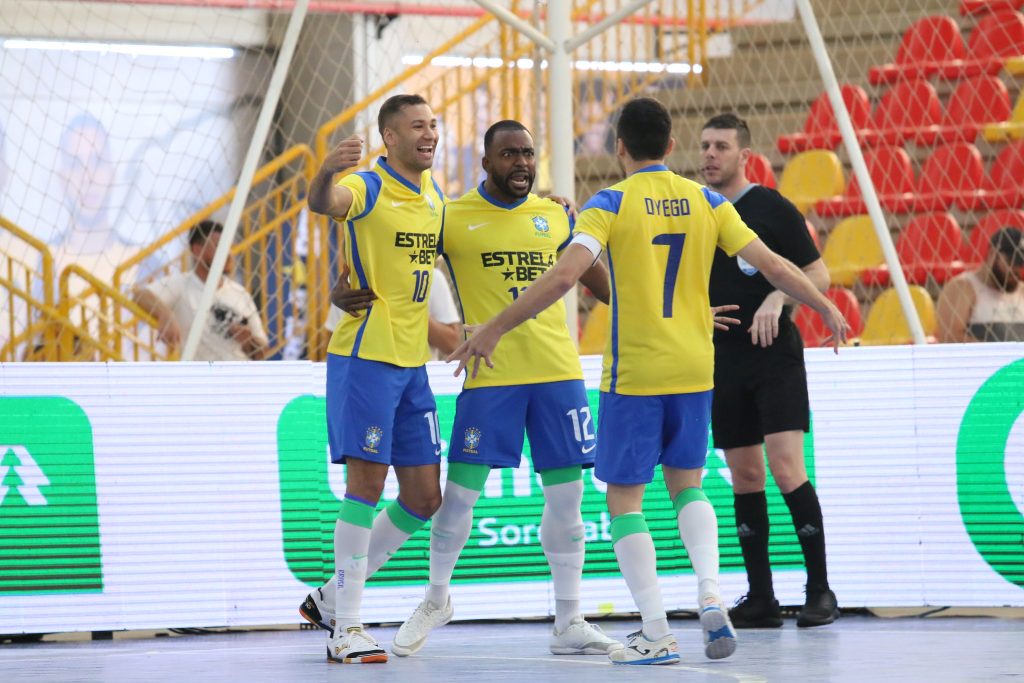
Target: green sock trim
[561,475]
[469,475]
[687,496]
[356,513]
[403,519]
[628,524]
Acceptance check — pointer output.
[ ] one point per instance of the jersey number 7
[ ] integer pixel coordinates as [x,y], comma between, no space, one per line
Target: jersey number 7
[674,242]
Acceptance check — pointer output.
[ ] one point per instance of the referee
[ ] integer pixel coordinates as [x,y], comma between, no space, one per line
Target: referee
[761,384]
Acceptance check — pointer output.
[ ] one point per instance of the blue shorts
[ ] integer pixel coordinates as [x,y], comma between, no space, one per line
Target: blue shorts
[381,413]
[638,433]
[489,424]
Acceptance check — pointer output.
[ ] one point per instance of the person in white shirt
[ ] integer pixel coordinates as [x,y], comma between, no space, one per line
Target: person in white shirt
[234,330]
[987,304]
[444,332]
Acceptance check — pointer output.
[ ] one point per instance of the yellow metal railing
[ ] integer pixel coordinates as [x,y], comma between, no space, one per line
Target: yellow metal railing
[101,321]
[26,288]
[266,244]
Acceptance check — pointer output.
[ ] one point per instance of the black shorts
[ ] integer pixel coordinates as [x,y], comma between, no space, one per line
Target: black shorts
[754,399]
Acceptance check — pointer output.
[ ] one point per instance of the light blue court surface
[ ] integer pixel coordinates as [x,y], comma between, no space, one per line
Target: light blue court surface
[854,649]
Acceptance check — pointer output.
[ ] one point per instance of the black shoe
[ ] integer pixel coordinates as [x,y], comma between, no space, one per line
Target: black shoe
[311,612]
[755,611]
[820,608]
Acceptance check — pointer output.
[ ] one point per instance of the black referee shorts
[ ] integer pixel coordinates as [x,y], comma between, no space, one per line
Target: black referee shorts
[762,398]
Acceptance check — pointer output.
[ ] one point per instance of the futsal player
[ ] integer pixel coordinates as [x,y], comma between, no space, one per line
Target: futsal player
[661,232]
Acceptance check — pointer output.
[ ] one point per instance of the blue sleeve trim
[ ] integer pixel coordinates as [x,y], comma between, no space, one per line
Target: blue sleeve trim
[606,200]
[714,199]
[373,184]
[437,188]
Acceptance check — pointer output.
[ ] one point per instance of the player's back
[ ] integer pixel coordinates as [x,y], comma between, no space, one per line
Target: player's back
[391,236]
[660,231]
[495,251]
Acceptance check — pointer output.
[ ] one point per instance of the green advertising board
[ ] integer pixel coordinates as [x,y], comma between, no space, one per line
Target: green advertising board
[49,522]
[504,545]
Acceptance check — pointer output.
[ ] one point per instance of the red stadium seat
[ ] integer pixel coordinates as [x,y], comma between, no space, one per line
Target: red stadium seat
[927,44]
[974,103]
[952,174]
[759,170]
[820,128]
[997,37]
[893,178]
[981,233]
[813,330]
[910,110]
[968,7]
[932,245]
[1001,188]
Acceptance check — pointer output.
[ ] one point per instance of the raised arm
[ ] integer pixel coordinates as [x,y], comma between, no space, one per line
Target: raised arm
[324,196]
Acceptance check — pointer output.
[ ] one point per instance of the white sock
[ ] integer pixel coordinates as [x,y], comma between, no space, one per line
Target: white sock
[351,544]
[385,540]
[561,536]
[638,564]
[698,529]
[449,532]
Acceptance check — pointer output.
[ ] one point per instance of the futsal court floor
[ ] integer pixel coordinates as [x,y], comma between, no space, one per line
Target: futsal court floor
[856,648]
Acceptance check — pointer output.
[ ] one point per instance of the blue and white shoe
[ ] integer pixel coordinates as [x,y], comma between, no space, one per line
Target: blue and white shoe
[640,650]
[719,635]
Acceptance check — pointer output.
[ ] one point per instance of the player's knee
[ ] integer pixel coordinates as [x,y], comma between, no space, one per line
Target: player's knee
[424,503]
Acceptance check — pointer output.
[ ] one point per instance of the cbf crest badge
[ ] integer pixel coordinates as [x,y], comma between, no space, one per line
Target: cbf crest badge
[540,224]
[472,440]
[373,438]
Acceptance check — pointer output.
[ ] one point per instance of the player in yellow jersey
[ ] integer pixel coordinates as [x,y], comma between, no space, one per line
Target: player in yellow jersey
[660,231]
[497,240]
[380,409]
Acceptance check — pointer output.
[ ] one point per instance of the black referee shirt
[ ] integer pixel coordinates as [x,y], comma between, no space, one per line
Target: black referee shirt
[734,281]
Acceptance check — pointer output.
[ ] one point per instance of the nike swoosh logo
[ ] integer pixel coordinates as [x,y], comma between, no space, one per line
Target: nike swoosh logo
[588,449]
[358,557]
[397,203]
[478,225]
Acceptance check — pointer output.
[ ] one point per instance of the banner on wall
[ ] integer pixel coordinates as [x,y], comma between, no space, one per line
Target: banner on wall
[175,495]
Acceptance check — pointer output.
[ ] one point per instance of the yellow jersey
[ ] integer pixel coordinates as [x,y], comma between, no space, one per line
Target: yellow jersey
[391,236]
[494,251]
[660,231]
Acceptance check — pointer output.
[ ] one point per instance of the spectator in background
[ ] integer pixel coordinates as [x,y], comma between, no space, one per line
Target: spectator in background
[233,329]
[987,304]
[444,331]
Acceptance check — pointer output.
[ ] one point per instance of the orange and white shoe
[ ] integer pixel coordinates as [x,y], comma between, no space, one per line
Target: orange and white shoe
[355,646]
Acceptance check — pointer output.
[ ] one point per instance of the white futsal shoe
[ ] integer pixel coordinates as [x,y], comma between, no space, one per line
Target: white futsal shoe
[719,636]
[582,638]
[640,650]
[355,646]
[412,635]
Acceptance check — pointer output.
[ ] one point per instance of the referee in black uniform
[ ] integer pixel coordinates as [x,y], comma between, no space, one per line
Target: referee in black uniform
[760,400]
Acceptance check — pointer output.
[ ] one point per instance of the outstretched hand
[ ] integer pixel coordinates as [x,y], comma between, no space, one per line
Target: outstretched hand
[722,322]
[479,346]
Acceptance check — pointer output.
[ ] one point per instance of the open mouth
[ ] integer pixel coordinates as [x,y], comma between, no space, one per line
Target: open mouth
[425,151]
[519,182]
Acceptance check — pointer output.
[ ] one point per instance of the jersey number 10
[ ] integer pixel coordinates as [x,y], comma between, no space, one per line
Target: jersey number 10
[422,286]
